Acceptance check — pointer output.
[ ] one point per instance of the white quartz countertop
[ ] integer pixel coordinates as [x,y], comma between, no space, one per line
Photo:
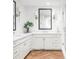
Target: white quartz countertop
[44,33]
[19,36]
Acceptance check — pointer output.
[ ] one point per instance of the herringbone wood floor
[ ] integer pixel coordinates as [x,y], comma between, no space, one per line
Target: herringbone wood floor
[40,54]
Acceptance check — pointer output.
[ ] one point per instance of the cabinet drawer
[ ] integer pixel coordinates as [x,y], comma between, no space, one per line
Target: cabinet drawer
[27,41]
[16,57]
[16,51]
[26,49]
[27,45]
[21,40]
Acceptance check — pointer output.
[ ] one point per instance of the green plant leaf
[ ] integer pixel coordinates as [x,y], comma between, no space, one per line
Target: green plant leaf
[28,24]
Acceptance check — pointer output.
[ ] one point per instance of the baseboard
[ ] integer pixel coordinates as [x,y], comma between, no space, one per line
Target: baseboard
[27,55]
[46,50]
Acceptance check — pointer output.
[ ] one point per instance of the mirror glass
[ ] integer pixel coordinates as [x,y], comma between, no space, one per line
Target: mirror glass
[45,19]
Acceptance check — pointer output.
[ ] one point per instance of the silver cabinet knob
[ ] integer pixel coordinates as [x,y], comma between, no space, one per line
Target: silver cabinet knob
[15,52]
[43,38]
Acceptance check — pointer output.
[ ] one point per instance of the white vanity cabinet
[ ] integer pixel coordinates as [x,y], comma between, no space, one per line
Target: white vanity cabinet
[47,41]
[22,46]
[37,43]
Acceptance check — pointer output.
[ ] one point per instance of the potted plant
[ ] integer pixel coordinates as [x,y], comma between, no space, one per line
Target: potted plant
[27,25]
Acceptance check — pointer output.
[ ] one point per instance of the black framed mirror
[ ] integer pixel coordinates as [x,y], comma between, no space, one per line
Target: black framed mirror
[45,18]
[14,15]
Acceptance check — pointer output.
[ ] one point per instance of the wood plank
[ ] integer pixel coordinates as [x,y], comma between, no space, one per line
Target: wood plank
[45,54]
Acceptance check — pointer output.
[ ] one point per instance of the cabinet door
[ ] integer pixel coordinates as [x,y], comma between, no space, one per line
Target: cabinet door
[25,48]
[16,52]
[27,45]
[52,43]
[48,43]
[37,43]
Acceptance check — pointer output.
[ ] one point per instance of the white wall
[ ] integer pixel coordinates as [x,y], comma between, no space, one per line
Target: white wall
[20,20]
[29,12]
[57,24]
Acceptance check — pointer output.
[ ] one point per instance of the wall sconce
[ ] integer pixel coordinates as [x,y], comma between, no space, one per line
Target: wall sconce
[36,14]
[54,17]
[17,14]
[36,17]
[62,12]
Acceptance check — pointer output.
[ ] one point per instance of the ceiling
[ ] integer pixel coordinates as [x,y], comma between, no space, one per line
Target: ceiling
[42,2]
